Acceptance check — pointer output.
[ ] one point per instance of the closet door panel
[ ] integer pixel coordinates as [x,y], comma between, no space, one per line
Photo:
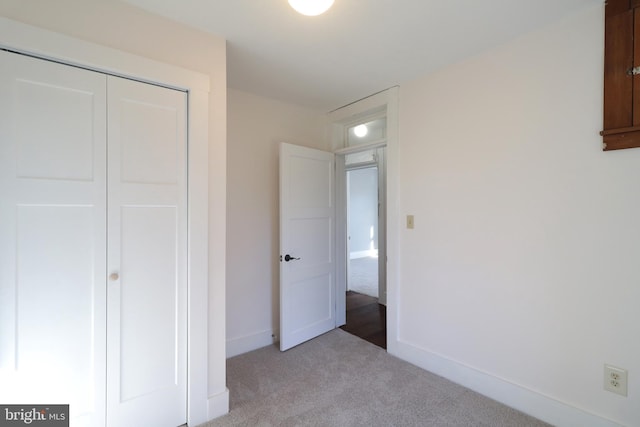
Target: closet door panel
[52,236]
[148,300]
[53,145]
[147,248]
[150,154]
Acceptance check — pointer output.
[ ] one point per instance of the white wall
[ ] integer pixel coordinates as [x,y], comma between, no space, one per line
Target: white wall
[521,276]
[121,26]
[256,126]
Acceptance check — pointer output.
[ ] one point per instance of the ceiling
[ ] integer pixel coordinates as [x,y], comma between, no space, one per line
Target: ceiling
[357,48]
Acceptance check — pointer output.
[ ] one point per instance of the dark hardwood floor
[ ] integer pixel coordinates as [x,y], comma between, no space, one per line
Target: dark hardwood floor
[366,319]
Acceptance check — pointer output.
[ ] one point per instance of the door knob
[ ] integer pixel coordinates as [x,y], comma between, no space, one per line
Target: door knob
[288,258]
[114,276]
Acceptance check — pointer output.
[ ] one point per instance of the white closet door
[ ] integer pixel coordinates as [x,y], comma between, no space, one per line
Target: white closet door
[146,261]
[52,236]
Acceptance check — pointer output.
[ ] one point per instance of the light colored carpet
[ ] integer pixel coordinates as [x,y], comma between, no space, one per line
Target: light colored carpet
[363,276]
[338,379]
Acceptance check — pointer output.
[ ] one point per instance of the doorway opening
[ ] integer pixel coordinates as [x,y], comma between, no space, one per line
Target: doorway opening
[364,196]
[362,230]
[356,147]
[366,318]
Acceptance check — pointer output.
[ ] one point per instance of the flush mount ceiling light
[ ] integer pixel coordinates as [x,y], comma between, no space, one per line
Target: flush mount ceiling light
[361,131]
[311,7]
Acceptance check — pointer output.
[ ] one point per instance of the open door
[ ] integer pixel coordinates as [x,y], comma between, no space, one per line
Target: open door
[307,249]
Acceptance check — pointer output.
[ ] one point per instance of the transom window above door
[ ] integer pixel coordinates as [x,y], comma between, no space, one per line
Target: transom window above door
[367,132]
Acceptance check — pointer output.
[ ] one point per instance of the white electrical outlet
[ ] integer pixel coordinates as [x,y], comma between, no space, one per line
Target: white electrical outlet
[615,380]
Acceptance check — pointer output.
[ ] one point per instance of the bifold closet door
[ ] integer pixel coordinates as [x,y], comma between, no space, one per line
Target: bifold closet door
[52,236]
[92,244]
[146,261]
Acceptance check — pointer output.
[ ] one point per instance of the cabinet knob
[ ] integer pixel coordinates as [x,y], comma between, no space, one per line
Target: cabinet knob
[114,276]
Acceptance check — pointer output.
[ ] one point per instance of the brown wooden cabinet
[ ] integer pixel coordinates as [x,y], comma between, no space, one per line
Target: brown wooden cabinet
[621,124]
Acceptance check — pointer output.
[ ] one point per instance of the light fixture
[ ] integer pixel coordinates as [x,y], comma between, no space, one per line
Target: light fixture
[361,131]
[311,7]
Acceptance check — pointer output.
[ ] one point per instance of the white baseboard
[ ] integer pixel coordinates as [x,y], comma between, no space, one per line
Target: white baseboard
[218,405]
[241,345]
[530,402]
[363,254]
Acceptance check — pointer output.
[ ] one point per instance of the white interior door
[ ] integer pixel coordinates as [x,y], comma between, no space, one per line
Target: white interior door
[52,236]
[146,261]
[307,267]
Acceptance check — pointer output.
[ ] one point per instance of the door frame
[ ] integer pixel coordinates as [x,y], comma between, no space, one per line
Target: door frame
[45,44]
[385,103]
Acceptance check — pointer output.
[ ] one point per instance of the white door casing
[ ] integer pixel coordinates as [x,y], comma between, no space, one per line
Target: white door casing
[146,260]
[382,225]
[307,213]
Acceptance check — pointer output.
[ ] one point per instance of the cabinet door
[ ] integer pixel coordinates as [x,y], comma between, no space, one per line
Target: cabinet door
[52,236]
[146,343]
[621,75]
